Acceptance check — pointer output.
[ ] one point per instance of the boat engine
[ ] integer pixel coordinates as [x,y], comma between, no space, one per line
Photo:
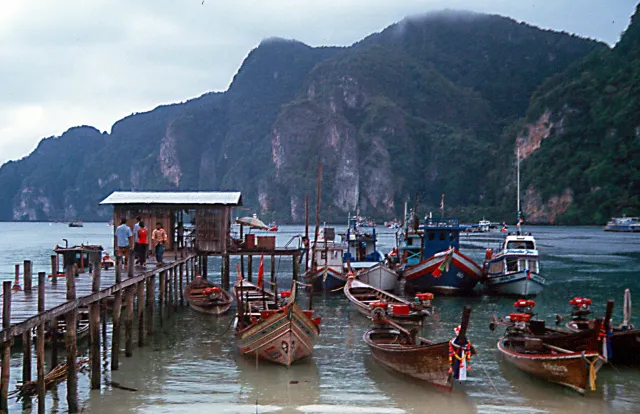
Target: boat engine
[212,292]
[378,310]
[519,320]
[581,308]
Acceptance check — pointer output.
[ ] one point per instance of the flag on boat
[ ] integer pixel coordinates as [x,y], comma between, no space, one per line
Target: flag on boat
[444,266]
[261,272]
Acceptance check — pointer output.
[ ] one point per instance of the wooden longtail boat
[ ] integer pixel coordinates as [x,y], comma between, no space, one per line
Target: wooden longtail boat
[619,345]
[396,348]
[365,298]
[82,330]
[281,333]
[207,297]
[379,276]
[567,358]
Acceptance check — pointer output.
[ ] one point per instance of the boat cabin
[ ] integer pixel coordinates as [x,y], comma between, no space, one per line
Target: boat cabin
[79,257]
[519,242]
[519,254]
[328,253]
[360,246]
[434,236]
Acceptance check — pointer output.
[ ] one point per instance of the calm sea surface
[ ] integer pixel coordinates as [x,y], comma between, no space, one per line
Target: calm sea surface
[191,365]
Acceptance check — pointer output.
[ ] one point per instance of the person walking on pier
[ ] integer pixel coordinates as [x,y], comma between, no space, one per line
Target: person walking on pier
[136,227]
[159,238]
[142,247]
[123,240]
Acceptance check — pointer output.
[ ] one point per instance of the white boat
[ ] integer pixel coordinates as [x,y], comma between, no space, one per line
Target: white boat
[379,276]
[515,270]
[484,226]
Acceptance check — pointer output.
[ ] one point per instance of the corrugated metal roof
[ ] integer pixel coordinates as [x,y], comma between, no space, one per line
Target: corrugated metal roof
[197,197]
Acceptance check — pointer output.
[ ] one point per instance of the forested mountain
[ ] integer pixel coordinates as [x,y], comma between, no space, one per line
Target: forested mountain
[419,108]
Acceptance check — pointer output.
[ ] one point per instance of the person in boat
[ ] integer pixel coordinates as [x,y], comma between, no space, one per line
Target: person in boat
[124,237]
[305,247]
[136,227]
[143,244]
[159,238]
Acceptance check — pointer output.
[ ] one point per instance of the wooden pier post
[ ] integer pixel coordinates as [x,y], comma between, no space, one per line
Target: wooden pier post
[71,344]
[117,310]
[205,266]
[140,300]
[273,270]
[163,287]
[306,231]
[6,347]
[181,287]
[176,290]
[42,276]
[54,268]
[296,266]
[26,356]
[250,268]
[151,292]
[54,343]
[94,325]
[131,263]
[169,292]
[227,272]
[242,266]
[28,283]
[128,323]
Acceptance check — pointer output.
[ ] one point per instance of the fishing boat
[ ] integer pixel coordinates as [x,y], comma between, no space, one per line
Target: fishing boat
[326,266]
[273,227]
[76,224]
[623,224]
[515,269]
[619,344]
[566,358]
[438,363]
[361,252]
[380,276]
[207,297]
[281,333]
[367,299]
[431,261]
[484,226]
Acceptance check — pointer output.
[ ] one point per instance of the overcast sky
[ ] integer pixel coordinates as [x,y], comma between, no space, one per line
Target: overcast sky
[73,62]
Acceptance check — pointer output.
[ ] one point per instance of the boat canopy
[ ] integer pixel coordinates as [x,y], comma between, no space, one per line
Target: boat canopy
[520,242]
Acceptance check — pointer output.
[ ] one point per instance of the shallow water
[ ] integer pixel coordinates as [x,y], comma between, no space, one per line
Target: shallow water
[191,365]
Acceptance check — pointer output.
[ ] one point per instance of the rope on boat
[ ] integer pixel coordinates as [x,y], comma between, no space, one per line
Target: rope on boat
[490,379]
[593,372]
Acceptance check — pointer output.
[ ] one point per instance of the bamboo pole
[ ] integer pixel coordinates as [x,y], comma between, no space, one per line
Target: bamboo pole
[94,325]
[42,276]
[6,347]
[151,292]
[71,344]
[140,300]
[117,309]
[28,282]
[128,323]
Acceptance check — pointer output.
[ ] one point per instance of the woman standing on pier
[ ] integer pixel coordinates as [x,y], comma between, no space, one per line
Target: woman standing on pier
[143,244]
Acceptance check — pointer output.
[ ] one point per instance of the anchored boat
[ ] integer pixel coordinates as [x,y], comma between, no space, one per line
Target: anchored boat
[368,299]
[619,344]
[326,265]
[565,358]
[379,276]
[431,259]
[623,224]
[435,362]
[207,297]
[361,252]
[281,333]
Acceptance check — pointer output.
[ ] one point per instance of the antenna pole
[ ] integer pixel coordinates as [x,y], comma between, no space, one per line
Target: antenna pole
[518,183]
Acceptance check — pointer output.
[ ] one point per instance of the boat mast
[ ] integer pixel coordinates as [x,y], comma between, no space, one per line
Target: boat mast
[518,187]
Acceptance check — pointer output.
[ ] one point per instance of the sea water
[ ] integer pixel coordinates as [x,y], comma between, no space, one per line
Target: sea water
[190,365]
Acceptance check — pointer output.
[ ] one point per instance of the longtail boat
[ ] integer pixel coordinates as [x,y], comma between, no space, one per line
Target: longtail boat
[368,299]
[379,276]
[435,362]
[281,333]
[619,344]
[566,358]
[207,297]
[326,273]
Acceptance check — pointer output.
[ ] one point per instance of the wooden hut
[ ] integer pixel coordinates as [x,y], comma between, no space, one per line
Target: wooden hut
[209,214]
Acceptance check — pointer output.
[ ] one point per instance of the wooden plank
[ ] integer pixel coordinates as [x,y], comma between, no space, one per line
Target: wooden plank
[71,343]
[94,327]
[6,347]
[140,300]
[128,323]
[42,277]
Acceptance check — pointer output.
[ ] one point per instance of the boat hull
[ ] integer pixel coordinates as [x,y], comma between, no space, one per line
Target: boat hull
[325,279]
[521,284]
[285,337]
[462,276]
[624,345]
[210,310]
[570,370]
[380,276]
[204,303]
[428,363]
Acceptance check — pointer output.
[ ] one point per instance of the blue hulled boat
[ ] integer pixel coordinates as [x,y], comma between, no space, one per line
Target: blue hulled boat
[326,272]
[431,259]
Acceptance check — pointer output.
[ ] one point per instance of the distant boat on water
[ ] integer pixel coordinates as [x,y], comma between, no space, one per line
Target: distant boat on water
[76,224]
[623,224]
